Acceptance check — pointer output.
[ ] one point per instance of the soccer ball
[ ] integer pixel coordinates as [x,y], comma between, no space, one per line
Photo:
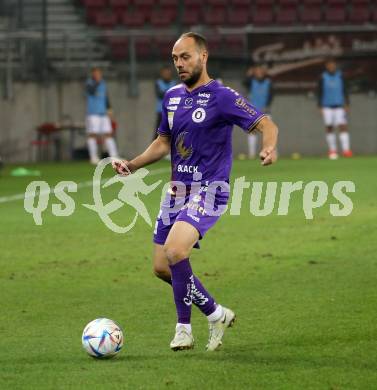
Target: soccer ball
[102,338]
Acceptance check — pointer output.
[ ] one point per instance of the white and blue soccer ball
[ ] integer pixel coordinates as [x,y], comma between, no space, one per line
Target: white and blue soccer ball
[102,338]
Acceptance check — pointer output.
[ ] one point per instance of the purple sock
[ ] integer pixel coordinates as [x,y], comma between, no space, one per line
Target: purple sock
[182,281]
[202,299]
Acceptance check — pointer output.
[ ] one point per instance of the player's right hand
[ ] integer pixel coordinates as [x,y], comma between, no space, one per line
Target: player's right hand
[122,167]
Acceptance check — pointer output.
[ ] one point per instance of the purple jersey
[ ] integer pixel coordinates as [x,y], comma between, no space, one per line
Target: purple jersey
[200,125]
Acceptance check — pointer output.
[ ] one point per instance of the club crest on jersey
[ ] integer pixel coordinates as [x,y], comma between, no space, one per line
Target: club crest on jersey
[184,151]
[199,115]
[170,119]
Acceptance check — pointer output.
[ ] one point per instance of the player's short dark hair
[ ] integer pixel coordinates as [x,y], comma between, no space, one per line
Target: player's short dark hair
[330,59]
[200,40]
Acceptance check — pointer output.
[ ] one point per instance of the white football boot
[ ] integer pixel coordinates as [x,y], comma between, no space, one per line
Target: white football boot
[217,329]
[183,339]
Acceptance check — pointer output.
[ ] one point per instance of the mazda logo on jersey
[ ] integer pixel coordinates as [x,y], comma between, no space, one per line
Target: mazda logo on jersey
[199,115]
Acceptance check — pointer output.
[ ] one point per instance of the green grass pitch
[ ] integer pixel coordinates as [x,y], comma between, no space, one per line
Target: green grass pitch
[305,291]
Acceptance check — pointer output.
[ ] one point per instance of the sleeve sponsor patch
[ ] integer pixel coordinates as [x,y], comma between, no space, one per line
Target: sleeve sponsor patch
[243,105]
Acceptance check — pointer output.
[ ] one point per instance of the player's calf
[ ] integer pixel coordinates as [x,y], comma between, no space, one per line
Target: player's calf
[162,273]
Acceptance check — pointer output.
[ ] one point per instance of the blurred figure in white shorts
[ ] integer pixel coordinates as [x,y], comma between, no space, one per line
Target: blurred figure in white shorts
[333,102]
[98,122]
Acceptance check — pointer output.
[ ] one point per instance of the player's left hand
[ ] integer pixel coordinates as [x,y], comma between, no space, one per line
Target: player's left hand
[268,156]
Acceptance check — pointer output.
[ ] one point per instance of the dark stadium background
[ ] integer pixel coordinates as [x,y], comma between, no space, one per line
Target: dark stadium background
[48,46]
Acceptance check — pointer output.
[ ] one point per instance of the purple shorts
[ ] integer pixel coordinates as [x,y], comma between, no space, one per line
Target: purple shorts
[200,209]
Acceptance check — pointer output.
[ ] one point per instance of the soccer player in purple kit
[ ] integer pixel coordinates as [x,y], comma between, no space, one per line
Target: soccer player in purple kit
[197,120]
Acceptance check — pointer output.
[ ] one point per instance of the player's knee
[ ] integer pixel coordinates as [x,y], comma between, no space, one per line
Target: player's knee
[175,252]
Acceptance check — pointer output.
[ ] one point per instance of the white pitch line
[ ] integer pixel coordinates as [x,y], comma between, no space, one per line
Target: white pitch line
[84,184]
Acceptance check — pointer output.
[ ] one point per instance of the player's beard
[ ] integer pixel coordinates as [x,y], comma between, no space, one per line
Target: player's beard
[195,75]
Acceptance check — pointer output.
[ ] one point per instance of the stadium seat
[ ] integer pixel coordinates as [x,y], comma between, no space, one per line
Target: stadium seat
[312,2]
[105,19]
[217,2]
[144,3]
[143,47]
[168,3]
[214,44]
[287,16]
[119,6]
[359,14]
[119,3]
[336,2]
[264,2]
[119,47]
[357,2]
[91,14]
[133,19]
[235,44]
[171,9]
[191,4]
[374,16]
[242,3]
[164,47]
[95,3]
[215,16]
[311,14]
[288,3]
[335,15]
[160,18]
[191,17]
[238,17]
[262,16]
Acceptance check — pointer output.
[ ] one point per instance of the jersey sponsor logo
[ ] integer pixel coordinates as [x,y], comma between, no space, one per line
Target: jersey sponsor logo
[171,119]
[199,115]
[184,151]
[204,95]
[196,219]
[172,108]
[195,207]
[188,102]
[188,298]
[174,100]
[242,103]
[196,198]
[187,168]
[202,102]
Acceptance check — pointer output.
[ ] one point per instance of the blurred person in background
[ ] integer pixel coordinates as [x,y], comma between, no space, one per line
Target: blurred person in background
[259,87]
[162,84]
[333,102]
[98,119]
